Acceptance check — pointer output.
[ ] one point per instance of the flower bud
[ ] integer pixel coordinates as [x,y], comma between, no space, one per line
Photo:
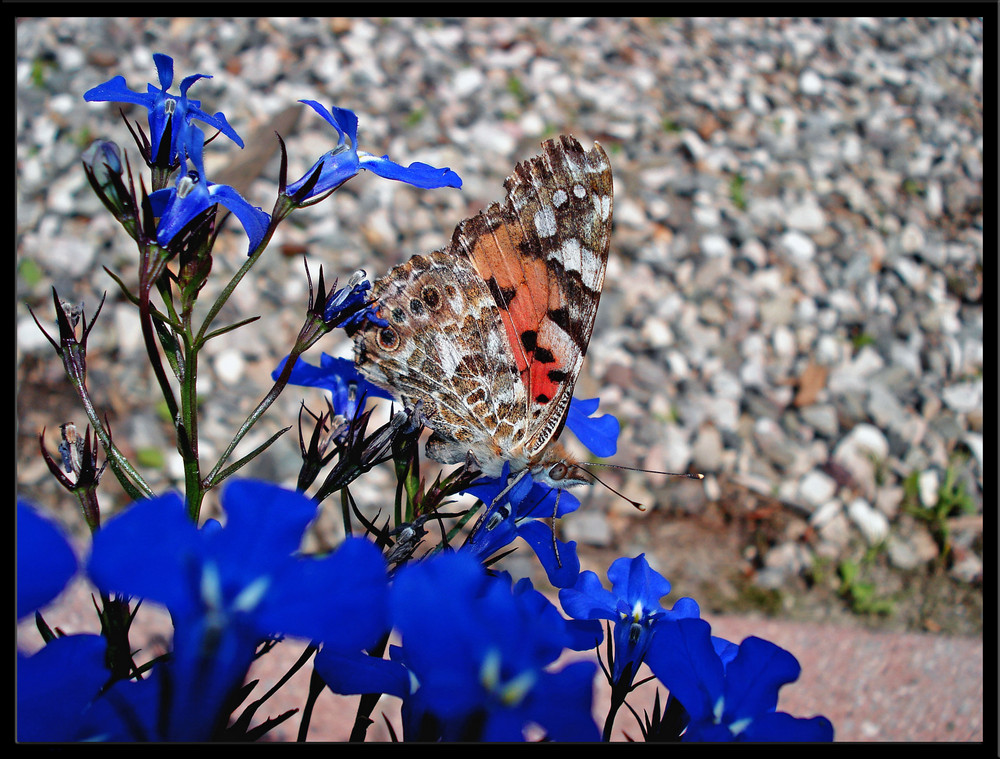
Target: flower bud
[103,165]
[104,159]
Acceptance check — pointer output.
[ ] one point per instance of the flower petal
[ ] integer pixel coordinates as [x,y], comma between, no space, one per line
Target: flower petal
[357,674]
[264,523]
[683,659]
[417,174]
[562,569]
[588,599]
[254,220]
[335,375]
[353,611]
[754,677]
[778,726]
[45,560]
[158,569]
[55,685]
[599,434]
[115,90]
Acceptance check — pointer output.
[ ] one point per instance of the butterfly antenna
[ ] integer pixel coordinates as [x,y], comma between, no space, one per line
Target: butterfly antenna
[689,475]
[636,504]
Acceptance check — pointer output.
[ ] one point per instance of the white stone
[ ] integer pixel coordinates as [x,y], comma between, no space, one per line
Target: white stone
[825,513]
[871,522]
[798,246]
[230,366]
[929,485]
[783,340]
[716,246]
[964,397]
[807,217]
[816,488]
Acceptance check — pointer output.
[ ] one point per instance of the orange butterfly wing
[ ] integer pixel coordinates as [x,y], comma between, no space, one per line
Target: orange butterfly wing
[543,255]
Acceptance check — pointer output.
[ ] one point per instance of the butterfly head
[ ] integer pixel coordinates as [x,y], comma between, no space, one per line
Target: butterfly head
[558,469]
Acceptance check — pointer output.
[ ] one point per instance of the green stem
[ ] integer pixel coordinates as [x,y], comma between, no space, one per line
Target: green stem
[227,291]
[131,481]
[189,421]
[272,395]
[148,275]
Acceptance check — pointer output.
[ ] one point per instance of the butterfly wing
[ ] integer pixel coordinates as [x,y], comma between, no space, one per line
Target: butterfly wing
[490,334]
[443,347]
[542,255]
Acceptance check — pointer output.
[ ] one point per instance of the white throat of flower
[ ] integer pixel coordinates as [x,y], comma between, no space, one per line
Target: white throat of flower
[509,693]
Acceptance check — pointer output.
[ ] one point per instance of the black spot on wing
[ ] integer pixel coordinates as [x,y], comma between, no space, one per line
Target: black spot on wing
[529,339]
[544,355]
[560,317]
[502,295]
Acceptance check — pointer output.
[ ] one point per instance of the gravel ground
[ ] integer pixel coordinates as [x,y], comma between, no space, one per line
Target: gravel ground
[794,301]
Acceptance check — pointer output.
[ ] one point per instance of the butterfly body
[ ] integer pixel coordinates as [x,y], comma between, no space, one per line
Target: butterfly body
[488,336]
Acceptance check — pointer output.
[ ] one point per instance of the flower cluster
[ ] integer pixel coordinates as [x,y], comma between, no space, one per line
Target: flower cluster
[471,654]
[475,653]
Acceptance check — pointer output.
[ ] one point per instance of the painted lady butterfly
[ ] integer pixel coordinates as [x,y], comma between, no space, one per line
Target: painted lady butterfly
[489,334]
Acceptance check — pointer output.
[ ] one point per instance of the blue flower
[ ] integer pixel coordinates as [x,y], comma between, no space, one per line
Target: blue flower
[228,588]
[600,433]
[165,110]
[478,654]
[45,561]
[633,603]
[339,376]
[193,194]
[734,701]
[56,685]
[345,160]
[104,160]
[518,515]
[580,634]
[130,711]
[351,674]
[348,299]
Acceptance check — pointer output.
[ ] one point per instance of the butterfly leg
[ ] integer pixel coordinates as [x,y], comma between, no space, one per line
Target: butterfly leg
[555,543]
[504,511]
[417,415]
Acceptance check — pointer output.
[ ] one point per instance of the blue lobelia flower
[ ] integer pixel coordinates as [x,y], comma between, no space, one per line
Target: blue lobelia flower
[229,588]
[345,160]
[56,685]
[478,655]
[598,433]
[732,700]
[351,674]
[45,560]
[165,110]
[579,633]
[518,515]
[339,376]
[193,193]
[633,603]
[339,305]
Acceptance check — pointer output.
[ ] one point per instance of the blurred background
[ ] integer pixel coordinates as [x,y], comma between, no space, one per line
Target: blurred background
[793,304]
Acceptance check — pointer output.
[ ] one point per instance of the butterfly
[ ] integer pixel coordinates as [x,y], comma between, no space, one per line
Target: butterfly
[488,336]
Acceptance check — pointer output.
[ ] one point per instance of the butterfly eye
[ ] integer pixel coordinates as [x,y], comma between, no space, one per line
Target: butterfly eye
[388,339]
[558,471]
